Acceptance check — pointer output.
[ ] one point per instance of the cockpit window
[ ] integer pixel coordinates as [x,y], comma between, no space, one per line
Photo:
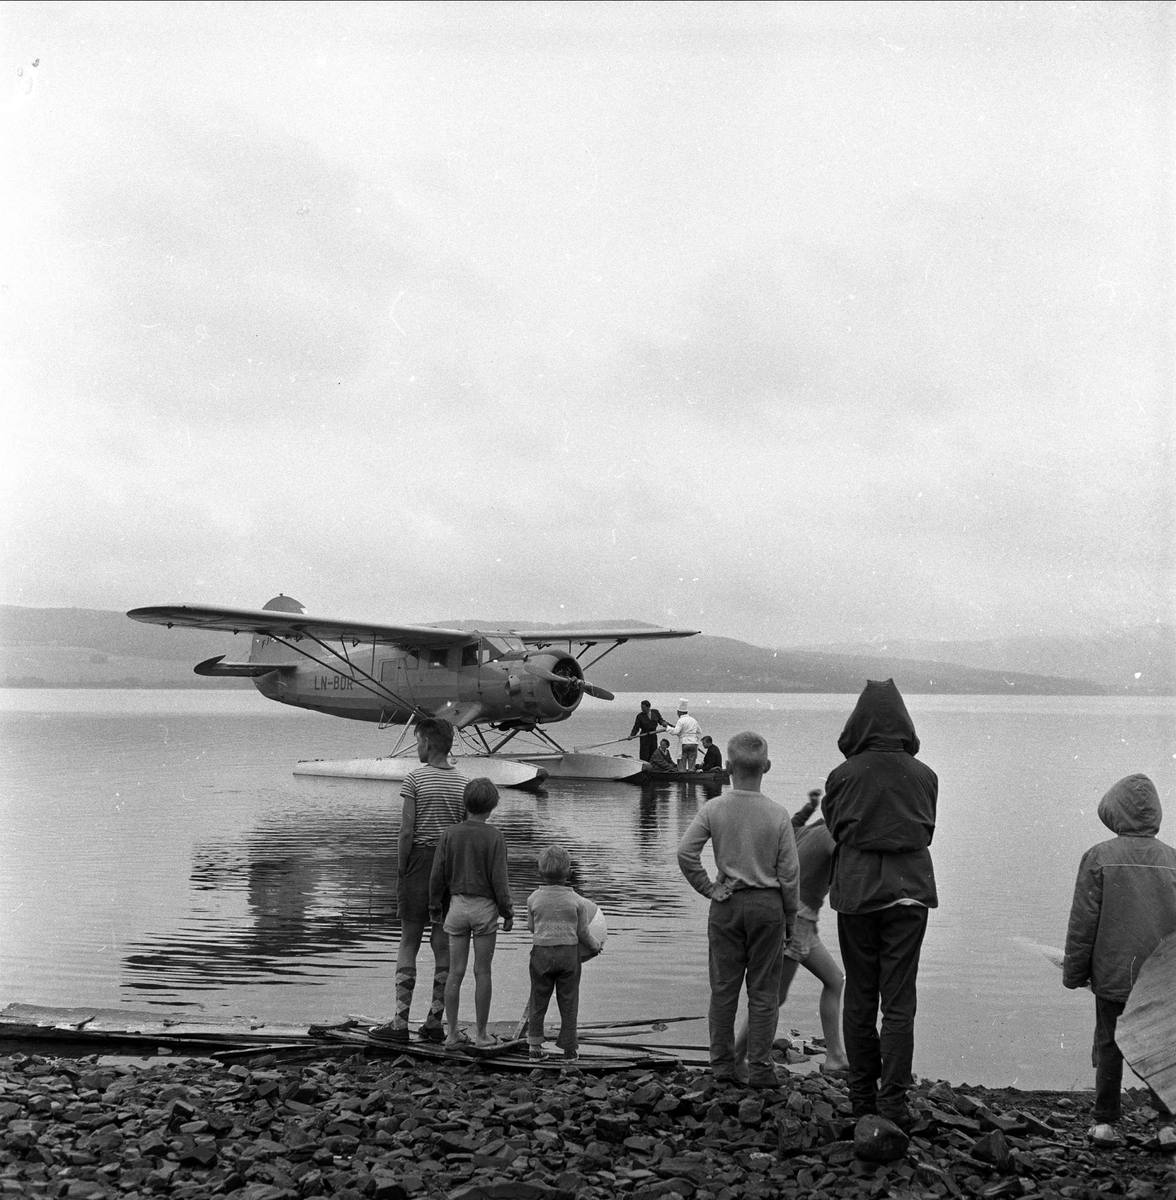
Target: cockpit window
[469,655]
[501,646]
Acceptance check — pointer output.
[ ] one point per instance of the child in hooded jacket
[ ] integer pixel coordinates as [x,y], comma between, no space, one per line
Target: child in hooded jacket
[1124,905]
[880,807]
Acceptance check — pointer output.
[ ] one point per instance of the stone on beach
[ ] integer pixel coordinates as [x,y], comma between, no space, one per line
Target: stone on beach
[370,1129]
[878,1140]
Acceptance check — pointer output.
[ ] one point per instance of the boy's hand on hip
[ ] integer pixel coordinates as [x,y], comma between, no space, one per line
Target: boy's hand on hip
[721,892]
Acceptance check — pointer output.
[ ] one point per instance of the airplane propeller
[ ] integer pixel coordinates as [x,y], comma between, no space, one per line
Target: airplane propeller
[589,689]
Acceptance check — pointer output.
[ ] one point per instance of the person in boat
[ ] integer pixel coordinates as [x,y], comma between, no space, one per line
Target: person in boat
[559,920]
[662,759]
[647,724]
[470,866]
[814,851]
[712,757]
[880,809]
[1124,905]
[754,900]
[433,796]
[688,732]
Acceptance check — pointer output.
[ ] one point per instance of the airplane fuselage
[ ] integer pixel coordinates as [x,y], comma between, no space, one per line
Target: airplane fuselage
[487,680]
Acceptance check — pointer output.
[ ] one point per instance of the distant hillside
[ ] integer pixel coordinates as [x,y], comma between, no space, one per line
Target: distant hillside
[713,664]
[70,647]
[87,647]
[1135,660]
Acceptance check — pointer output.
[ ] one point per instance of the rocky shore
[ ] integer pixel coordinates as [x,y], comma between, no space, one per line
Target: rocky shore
[387,1128]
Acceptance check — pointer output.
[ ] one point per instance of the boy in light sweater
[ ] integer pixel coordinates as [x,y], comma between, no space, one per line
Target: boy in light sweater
[753,908]
[558,919]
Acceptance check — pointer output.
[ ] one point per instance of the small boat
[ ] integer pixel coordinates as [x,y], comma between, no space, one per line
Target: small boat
[721,775]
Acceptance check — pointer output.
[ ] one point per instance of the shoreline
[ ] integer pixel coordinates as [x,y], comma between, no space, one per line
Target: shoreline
[389,1127]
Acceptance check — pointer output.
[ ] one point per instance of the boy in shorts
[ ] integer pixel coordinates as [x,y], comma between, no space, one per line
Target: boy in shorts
[433,796]
[558,919]
[470,867]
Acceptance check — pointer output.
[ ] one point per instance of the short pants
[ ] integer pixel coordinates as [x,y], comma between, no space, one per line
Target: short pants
[412,888]
[472,914]
[805,940]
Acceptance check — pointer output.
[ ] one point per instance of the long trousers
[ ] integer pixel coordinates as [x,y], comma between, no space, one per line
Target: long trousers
[1108,1061]
[745,941]
[555,968]
[880,953]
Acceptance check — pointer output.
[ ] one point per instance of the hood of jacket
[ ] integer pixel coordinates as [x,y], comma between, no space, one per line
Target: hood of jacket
[879,721]
[1132,808]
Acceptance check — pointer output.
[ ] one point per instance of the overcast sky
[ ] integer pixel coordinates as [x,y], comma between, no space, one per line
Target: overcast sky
[793,323]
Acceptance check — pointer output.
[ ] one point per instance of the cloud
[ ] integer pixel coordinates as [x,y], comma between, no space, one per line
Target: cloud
[797,325]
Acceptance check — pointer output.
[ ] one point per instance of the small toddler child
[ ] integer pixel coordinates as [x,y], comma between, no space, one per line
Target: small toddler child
[470,866]
[558,919]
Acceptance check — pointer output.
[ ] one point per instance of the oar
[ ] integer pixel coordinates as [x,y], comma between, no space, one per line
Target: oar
[614,742]
[592,1041]
[652,1021]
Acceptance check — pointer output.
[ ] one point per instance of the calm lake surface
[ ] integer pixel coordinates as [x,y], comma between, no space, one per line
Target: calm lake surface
[156,849]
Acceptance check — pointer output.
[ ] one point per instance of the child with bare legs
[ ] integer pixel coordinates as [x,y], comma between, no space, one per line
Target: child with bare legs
[470,866]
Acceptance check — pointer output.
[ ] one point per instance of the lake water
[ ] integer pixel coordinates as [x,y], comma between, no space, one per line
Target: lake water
[156,849]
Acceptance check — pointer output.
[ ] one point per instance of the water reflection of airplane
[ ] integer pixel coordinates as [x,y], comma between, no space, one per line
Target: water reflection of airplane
[505,681]
[320,891]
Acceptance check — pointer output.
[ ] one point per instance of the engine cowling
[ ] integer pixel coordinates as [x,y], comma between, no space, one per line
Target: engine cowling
[563,676]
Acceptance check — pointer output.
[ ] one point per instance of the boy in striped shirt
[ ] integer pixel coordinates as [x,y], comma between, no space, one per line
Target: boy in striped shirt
[433,796]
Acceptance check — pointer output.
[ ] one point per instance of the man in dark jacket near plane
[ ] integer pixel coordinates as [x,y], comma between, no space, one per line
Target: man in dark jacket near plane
[879,806]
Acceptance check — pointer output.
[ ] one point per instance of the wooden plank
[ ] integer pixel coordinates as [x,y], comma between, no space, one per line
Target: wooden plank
[32,1022]
[1146,1032]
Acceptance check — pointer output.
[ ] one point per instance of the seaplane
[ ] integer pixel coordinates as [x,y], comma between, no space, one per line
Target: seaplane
[492,685]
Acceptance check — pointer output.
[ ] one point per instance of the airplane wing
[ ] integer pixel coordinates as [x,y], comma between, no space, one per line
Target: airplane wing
[544,637]
[290,625]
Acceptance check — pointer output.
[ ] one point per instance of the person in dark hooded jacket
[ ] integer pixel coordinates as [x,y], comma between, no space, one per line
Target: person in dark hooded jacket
[879,806]
[1124,905]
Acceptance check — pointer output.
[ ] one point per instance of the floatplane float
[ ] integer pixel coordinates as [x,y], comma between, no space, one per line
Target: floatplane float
[491,685]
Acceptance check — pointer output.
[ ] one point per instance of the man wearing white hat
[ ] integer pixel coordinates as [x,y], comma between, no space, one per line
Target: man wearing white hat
[688,732]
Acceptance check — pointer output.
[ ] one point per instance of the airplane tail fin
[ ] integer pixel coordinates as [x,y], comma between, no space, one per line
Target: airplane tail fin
[263,648]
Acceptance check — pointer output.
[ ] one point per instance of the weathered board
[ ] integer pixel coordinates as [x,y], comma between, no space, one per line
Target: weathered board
[242,1037]
[31,1022]
[1146,1032]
